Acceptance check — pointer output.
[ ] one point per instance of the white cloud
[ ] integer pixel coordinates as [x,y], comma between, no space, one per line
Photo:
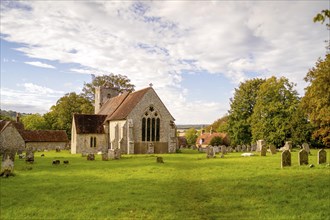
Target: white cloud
[154,41]
[39,64]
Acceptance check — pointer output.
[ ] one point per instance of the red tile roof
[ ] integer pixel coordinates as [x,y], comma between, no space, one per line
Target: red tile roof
[110,106]
[45,136]
[208,137]
[89,124]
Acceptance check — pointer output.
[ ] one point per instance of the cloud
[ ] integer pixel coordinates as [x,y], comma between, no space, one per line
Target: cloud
[39,64]
[156,41]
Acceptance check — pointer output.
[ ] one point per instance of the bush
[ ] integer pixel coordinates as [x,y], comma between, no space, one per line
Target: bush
[216,141]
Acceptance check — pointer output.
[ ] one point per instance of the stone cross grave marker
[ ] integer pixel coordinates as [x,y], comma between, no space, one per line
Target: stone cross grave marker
[321,156]
[286,158]
[302,157]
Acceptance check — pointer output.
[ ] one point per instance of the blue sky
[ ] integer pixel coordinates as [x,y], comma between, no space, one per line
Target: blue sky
[194,52]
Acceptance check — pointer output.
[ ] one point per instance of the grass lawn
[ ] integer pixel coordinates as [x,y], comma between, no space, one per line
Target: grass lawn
[186,186]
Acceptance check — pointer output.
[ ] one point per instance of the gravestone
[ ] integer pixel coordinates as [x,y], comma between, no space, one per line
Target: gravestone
[114,154]
[84,154]
[223,149]
[288,145]
[272,149]
[321,156]
[248,148]
[151,148]
[238,148]
[29,156]
[263,150]
[159,160]
[105,156]
[7,167]
[90,157]
[210,152]
[58,149]
[260,143]
[285,158]
[305,146]
[243,148]
[253,147]
[302,157]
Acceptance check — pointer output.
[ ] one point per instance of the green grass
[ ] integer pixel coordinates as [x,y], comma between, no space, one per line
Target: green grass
[186,186]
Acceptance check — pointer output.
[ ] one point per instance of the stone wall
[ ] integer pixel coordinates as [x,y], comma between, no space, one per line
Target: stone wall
[83,143]
[46,145]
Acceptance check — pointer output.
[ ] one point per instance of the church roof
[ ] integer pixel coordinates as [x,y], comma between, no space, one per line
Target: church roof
[89,124]
[45,136]
[127,104]
[112,104]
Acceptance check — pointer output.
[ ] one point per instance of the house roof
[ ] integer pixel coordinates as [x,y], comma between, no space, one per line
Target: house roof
[208,137]
[45,136]
[89,124]
[18,125]
[127,105]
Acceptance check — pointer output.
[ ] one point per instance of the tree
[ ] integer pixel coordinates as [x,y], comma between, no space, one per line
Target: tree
[34,122]
[191,136]
[241,109]
[316,101]
[220,125]
[113,81]
[321,17]
[216,141]
[272,115]
[60,115]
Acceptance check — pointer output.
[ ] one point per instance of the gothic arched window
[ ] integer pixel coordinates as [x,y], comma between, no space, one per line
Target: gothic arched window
[150,125]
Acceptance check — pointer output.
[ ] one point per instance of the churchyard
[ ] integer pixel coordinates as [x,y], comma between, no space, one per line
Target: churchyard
[187,185]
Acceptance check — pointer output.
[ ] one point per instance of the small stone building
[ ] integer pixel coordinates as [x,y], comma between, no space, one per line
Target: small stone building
[205,138]
[132,122]
[11,139]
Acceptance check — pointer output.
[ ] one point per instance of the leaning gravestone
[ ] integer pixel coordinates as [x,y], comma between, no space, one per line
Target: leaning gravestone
[272,149]
[305,146]
[302,157]
[321,156]
[114,154]
[210,152]
[90,157]
[7,167]
[286,158]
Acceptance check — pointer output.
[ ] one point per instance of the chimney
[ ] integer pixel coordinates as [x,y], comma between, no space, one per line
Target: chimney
[18,115]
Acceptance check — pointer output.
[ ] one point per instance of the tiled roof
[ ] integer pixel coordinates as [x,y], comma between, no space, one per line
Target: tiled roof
[45,136]
[18,125]
[208,137]
[89,124]
[128,105]
[112,104]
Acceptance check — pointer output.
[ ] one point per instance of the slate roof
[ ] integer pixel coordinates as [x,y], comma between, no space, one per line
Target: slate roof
[208,137]
[89,124]
[45,136]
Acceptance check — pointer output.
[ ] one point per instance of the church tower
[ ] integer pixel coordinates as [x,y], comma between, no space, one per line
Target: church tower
[102,94]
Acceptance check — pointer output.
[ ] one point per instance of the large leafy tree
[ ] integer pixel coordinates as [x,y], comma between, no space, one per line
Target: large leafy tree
[220,125]
[316,101]
[34,122]
[241,109]
[113,81]
[275,107]
[191,136]
[60,115]
[321,17]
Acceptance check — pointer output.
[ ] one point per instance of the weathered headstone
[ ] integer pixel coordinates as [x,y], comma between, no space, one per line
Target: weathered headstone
[159,160]
[114,154]
[243,148]
[302,157]
[210,152]
[238,148]
[84,154]
[29,156]
[223,149]
[105,156]
[253,147]
[263,151]
[321,156]
[58,149]
[90,157]
[248,148]
[151,148]
[285,158]
[272,149]
[305,146]
[260,143]
[288,145]
[7,167]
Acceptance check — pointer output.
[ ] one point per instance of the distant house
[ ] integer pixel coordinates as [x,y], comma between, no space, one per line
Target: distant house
[13,138]
[131,122]
[205,138]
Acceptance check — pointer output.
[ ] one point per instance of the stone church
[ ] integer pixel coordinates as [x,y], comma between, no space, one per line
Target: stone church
[134,122]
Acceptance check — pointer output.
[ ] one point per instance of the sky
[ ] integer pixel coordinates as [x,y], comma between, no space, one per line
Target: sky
[195,53]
